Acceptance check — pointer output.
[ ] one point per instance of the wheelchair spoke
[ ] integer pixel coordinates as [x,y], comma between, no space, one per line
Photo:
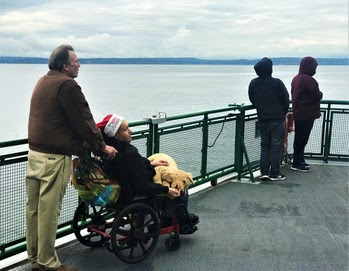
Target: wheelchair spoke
[142,246]
[135,233]
[124,242]
[147,223]
[131,252]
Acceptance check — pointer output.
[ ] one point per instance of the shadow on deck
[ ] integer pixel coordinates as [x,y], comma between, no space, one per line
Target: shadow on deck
[297,224]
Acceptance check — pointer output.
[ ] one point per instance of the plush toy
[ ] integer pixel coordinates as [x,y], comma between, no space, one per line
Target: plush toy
[170,175]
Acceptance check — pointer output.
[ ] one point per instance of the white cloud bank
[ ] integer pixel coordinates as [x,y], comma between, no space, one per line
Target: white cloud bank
[176,28]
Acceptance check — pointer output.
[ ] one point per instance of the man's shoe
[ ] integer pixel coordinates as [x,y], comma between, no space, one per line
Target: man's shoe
[279,177]
[61,268]
[263,177]
[66,268]
[301,168]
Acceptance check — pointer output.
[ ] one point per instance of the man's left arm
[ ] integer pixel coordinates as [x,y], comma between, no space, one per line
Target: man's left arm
[77,110]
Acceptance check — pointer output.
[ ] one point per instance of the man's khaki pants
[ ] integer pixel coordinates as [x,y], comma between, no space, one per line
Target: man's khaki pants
[46,182]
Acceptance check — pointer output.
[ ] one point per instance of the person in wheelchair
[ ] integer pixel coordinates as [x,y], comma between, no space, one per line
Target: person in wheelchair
[134,172]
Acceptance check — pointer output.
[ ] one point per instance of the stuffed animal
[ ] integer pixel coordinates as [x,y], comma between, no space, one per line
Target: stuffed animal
[170,175]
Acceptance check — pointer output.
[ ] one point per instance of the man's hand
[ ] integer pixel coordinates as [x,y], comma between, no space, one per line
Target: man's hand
[110,152]
[159,163]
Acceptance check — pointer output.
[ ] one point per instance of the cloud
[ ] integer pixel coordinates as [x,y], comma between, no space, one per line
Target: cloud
[179,43]
[177,28]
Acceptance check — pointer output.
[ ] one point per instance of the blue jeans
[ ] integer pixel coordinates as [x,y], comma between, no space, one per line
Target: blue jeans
[272,134]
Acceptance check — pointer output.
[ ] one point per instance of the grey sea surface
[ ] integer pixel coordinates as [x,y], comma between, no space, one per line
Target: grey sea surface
[140,91]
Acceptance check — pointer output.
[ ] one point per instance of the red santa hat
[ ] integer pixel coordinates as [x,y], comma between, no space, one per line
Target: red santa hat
[110,124]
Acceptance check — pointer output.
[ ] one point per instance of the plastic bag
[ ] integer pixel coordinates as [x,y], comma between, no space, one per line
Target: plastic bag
[92,184]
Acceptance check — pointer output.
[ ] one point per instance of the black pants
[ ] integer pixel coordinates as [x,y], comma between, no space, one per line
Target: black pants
[302,133]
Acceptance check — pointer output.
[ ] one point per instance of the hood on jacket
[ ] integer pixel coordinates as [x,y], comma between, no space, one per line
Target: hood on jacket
[308,66]
[264,67]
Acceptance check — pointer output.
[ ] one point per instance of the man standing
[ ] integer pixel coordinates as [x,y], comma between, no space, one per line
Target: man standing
[270,97]
[306,97]
[60,124]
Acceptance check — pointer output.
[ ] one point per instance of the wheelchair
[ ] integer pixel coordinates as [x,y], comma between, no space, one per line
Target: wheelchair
[131,231]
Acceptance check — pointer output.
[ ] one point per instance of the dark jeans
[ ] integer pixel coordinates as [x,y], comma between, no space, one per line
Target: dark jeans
[301,137]
[272,134]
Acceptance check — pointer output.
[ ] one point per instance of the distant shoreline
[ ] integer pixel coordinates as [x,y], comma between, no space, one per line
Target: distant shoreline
[174,61]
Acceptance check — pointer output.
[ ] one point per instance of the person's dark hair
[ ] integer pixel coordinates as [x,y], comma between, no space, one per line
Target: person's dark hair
[59,57]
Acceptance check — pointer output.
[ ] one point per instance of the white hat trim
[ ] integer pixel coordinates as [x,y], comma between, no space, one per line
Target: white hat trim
[113,125]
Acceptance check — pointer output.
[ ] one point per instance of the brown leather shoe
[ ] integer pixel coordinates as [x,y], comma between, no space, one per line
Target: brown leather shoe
[61,268]
[66,268]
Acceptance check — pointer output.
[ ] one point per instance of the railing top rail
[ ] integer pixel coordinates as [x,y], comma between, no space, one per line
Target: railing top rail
[343,102]
[13,143]
[138,123]
[182,116]
[200,113]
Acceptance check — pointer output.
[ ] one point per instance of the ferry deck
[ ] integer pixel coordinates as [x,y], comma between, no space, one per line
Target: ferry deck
[300,223]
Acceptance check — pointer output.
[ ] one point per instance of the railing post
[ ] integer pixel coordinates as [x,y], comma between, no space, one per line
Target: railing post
[204,146]
[239,135]
[247,159]
[156,140]
[150,140]
[327,134]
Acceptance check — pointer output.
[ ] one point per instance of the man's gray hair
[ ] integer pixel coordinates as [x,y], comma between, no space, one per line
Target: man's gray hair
[59,57]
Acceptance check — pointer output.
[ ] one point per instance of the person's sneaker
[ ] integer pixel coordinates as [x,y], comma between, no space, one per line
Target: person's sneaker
[306,165]
[194,219]
[279,177]
[263,177]
[301,168]
[187,229]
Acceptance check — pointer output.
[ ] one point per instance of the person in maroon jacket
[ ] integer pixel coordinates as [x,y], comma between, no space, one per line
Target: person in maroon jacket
[306,97]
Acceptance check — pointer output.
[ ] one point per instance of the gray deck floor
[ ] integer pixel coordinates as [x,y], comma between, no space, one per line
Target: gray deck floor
[297,224]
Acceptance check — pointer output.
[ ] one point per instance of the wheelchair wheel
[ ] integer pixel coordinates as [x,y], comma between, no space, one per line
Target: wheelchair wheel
[173,243]
[85,217]
[135,233]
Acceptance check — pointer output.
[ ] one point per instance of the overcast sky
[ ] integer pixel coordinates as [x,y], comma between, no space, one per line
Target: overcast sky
[176,28]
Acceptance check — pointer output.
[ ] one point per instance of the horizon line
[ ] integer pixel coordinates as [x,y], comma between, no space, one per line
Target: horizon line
[185,57]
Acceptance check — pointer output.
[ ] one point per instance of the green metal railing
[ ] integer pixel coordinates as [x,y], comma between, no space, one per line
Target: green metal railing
[209,144]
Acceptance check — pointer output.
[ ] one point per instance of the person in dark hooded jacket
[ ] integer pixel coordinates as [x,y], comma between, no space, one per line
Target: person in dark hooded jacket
[270,97]
[306,97]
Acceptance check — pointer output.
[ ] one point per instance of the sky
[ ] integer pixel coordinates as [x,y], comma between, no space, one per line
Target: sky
[208,29]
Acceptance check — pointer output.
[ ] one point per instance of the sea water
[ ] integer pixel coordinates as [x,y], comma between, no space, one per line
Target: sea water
[140,91]
[136,92]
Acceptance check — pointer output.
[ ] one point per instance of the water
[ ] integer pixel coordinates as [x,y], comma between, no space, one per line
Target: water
[140,91]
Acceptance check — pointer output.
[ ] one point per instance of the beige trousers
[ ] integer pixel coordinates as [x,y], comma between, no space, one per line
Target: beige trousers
[46,182]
